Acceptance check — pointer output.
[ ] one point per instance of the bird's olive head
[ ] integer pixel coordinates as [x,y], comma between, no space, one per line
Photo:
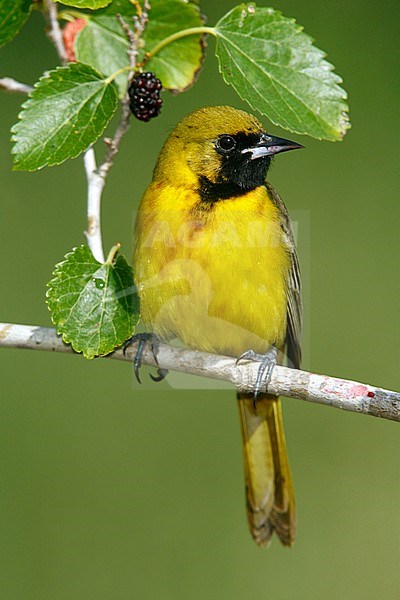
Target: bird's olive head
[224,151]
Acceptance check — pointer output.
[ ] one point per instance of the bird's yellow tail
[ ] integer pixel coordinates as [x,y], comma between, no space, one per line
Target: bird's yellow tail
[269,488]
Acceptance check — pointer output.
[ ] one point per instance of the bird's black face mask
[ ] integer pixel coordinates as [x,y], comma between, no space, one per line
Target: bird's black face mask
[245,160]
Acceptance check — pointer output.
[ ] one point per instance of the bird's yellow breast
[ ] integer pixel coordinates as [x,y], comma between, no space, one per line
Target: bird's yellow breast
[214,276]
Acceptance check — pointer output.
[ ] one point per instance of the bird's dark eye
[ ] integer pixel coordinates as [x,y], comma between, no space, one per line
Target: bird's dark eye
[225,144]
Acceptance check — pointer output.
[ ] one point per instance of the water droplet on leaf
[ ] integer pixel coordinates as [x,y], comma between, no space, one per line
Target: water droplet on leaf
[99,283]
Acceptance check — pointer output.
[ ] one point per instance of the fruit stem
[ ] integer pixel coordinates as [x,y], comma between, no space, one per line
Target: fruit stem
[111,77]
[168,40]
[71,15]
[112,254]
[177,36]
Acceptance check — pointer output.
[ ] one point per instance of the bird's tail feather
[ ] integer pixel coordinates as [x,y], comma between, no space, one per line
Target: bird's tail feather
[269,488]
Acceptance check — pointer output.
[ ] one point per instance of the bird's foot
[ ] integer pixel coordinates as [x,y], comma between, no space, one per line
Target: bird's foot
[143,339]
[268,362]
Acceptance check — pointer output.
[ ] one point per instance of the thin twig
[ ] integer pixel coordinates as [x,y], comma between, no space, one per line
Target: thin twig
[134,35]
[321,389]
[113,144]
[54,32]
[133,38]
[96,177]
[12,85]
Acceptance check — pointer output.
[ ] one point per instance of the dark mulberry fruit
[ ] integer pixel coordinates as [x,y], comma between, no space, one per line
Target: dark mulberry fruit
[144,94]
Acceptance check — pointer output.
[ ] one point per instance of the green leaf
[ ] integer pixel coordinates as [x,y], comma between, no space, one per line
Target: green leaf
[13,14]
[66,112]
[178,64]
[103,45]
[122,7]
[92,4]
[274,66]
[94,307]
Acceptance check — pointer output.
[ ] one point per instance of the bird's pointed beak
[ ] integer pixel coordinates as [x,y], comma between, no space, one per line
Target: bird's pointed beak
[269,145]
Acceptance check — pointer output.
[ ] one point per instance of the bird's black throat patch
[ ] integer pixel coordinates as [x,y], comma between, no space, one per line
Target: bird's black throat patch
[238,173]
[213,192]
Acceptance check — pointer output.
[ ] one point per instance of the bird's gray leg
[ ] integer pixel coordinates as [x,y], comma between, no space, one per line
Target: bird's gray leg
[268,362]
[143,339]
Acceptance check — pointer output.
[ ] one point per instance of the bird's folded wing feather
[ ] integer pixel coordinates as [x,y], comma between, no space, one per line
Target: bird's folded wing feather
[294,306]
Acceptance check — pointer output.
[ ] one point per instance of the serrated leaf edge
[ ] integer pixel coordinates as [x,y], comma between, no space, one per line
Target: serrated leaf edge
[344,122]
[56,276]
[31,98]
[72,4]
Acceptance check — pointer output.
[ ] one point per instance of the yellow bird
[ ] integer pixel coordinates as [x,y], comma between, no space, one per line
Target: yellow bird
[215,266]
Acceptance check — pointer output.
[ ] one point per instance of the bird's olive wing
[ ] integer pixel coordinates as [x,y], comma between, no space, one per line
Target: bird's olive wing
[294,304]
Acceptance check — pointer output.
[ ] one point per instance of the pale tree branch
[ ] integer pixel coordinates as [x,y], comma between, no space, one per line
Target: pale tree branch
[321,389]
[96,184]
[96,177]
[54,31]
[8,84]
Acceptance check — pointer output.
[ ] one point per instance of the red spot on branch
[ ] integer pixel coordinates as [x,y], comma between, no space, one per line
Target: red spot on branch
[358,390]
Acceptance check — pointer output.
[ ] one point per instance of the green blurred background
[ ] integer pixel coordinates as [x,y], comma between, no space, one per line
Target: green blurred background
[113,492]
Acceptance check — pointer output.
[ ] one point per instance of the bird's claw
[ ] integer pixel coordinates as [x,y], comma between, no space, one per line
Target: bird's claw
[162,373]
[143,339]
[268,362]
